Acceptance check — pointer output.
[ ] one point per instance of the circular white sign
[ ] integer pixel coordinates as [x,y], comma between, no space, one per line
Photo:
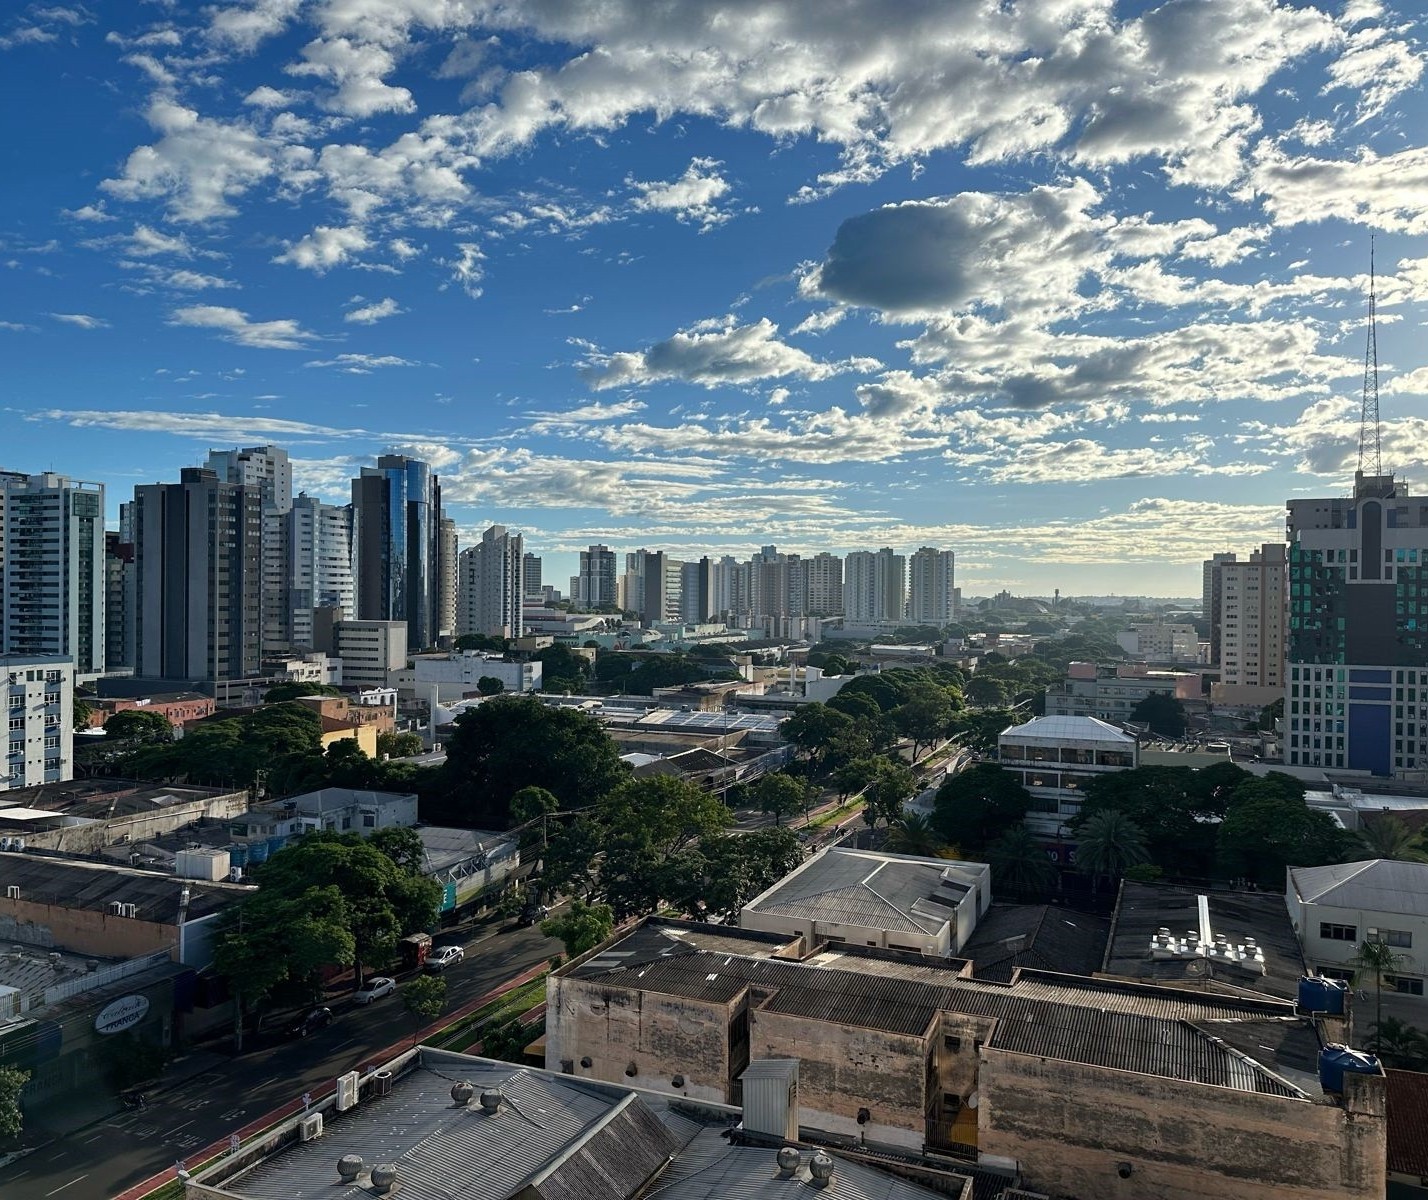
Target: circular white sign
[119,1015]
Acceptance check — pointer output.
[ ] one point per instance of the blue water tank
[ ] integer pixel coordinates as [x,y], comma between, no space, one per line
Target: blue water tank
[1317,994]
[1337,1061]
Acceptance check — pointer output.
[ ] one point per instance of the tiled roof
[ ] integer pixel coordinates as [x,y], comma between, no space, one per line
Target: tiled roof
[1407,1122]
[1378,885]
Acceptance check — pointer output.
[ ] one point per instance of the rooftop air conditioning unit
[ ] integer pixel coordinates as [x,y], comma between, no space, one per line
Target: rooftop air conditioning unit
[12,891]
[347,1091]
[311,1127]
[116,908]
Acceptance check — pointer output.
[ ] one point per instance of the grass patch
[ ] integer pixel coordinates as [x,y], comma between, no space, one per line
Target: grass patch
[834,815]
[518,1000]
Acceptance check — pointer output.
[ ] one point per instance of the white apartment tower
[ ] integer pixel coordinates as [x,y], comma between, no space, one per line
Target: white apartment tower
[596,583]
[1211,573]
[874,585]
[1254,619]
[824,575]
[319,571]
[933,594]
[52,569]
[266,471]
[490,588]
[38,693]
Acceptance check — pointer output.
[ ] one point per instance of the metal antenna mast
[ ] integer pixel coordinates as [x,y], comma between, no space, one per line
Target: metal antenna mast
[1370,430]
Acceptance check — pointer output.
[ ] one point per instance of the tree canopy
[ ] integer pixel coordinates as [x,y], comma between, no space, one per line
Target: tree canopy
[977,806]
[580,927]
[563,670]
[12,1082]
[1269,827]
[138,725]
[1163,713]
[512,742]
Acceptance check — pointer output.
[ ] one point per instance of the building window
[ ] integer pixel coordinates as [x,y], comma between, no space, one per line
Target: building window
[1338,933]
[1401,938]
[1404,985]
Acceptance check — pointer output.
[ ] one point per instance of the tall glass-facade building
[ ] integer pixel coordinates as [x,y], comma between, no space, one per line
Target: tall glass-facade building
[396,519]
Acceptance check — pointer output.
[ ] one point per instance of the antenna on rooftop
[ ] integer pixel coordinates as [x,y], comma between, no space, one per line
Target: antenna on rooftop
[1370,428]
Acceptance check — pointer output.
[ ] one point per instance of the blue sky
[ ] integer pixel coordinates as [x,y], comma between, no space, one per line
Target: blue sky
[1073,288]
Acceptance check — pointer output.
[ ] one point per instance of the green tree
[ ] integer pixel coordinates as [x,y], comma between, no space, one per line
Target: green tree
[1400,1045]
[489,685]
[1376,959]
[975,807]
[480,642]
[1390,837]
[890,788]
[581,927]
[985,691]
[925,718]
[855,774]
[12,1117]
[507,1039]
[512,742]
[563,670]
[979,730]
[425,999]
[913,833]
[398,745]
[1163,713]
[1108,845]
[569,856]
[781,795]
[1178,810]
[1020,865]
[725,871]
[138,725]
[812,729]
[284,692]
[403,845]
[1269,827]
[80,714]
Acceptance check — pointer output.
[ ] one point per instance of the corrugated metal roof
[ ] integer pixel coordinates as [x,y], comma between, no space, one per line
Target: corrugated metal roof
[1061,728]
[1379,885]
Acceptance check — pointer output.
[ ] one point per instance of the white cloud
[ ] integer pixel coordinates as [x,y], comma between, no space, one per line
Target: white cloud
[282,334]
[89,212]
[586,414]
[467,270]
[693,197]
[244,26]
[268,97]
[370,314]
[362,364]
[146,242]
[1376,65]
[1387,191]
[324,248]
[81,320]
[355,69]
[200,165]
[714,353]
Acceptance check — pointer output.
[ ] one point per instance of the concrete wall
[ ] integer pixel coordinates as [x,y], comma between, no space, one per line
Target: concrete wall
[663,1036]
[937,945]
[843,1068]
[84,931]
[141,827]
[1069,1125]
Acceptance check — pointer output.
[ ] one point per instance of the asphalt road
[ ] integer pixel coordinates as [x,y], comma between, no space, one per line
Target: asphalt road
[103,1159]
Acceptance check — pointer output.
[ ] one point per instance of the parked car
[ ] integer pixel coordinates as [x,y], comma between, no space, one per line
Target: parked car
[318,1018]
[444,956]
[374,989]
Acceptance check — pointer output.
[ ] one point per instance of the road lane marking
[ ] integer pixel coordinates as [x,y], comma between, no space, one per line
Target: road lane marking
[71,1183]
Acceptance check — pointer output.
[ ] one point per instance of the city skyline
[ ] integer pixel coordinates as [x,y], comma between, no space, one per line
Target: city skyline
[1078,296]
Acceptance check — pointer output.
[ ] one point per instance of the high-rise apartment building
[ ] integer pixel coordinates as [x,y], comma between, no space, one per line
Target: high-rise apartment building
[198,574]
[932,597]
[319,566]
[266,470]
[52,580]
[874,585]
[696,591]
[1254,619]
[532,575]
[597,582]
[1357,692]
[119,597]
[730,590]
[490,589]
[824,575]
[1211,573]
[660,586]
[446,581]
[396,523]
[37,691]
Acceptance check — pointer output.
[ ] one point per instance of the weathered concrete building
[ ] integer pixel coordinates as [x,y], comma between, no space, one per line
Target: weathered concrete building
[1090,1088]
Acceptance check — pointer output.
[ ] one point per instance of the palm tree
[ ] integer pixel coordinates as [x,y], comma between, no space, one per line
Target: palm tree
[1110,844]
[1019,863]
[1400,1044]
[912,833]
[1376,959]
[1389,837]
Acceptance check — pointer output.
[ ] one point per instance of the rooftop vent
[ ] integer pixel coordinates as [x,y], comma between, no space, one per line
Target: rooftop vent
[461,1093]
[789,1159]
[491,1100]
[384,1178]
[349,1166]
[820,1170]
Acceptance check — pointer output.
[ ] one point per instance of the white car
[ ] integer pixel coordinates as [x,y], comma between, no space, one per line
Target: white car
[444,956]
[374,989]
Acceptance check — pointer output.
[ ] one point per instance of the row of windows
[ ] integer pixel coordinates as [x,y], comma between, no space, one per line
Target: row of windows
[1331,931]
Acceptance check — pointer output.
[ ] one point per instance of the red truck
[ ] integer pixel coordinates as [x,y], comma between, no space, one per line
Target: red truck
[415,947]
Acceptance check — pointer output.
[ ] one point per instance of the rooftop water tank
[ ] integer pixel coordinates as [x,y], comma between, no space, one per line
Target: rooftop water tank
[1337,1061]
[1317,994]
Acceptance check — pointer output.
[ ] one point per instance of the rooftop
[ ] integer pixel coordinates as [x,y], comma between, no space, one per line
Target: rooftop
[1070,729]
[100,798]
[552,1138]
[894,892]
[1112,1023]
[71,883]
[335,799]
[1378,885]
[444,846]
[1039,936]
[1407,1122]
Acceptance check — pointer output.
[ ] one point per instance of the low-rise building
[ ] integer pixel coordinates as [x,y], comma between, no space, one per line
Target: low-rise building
[334,809]
[924,906]
[472,865]
[177,708]
[434,1123]
[451,677]
[1160,642]
[1113,693]
[1335,909]
[371,651]
[1078,1085]
[1055,757]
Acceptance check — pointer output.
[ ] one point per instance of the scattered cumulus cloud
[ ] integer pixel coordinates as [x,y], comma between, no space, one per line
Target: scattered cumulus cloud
[234,326]
[80,320]
[370,314]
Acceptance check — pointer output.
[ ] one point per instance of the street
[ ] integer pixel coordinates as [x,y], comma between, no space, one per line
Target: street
[103,1159]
